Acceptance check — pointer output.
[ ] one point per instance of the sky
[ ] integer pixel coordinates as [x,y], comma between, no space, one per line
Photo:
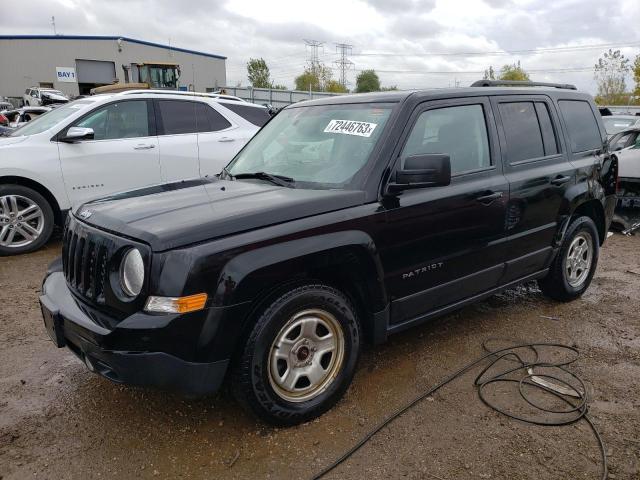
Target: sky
[410,43]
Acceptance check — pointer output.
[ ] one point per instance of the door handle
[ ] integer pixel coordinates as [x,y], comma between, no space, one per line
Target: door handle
[488,199]
[144,147]
[560,180]
[226,139]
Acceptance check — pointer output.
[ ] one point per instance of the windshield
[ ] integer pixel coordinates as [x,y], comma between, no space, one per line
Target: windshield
[617,124]
[322,146]
[55,92]
[50,119]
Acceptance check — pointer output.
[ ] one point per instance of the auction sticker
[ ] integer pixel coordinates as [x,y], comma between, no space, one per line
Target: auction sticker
[351,127]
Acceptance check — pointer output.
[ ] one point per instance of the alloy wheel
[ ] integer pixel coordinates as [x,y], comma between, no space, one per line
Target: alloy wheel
[21,221]
[579,259]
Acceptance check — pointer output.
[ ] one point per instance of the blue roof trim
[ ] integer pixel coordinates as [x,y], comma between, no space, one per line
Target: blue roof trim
[107,37]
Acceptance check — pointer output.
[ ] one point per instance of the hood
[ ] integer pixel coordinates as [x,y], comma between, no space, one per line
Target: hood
[179,214]
[54,96]
[6,141]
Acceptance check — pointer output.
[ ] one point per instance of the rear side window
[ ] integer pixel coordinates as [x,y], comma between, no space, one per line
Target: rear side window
[209,120]
[255,115]
[581,124]
[522,131]
[178,117]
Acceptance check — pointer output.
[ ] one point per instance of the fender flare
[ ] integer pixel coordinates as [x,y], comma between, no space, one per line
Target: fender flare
[235,279]
[577,196]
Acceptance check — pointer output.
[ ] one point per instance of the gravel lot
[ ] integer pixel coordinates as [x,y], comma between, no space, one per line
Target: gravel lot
[58,421]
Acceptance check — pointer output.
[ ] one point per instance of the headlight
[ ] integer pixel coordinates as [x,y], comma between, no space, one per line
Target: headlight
[132,273]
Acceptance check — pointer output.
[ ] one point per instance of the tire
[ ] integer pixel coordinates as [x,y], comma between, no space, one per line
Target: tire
[281,348]
[568,279]
[31,231]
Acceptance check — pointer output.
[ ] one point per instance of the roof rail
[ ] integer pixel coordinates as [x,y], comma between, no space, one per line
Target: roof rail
[521,83]
[183,93]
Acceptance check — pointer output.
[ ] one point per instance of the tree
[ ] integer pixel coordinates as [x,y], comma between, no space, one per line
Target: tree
[512,72]
[334,86]
[367,81]
[389,88]
[277,86]
[610,74]
[489,74]
[636,78]
[258,73]
[316,77]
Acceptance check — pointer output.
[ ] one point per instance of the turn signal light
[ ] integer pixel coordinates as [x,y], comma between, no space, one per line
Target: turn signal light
[188,304]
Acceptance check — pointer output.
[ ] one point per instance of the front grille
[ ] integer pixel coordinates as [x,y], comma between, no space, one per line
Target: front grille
[84,261]
[90,257]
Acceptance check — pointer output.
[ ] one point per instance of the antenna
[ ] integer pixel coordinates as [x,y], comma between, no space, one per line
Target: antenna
[343,62]
[53,23]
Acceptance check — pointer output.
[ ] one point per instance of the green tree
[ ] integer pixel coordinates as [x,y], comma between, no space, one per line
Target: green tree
[367,81]
[389,88]
[512,72]
[277,86]
[316,77]
[334,86]
[610,74]
[258,73]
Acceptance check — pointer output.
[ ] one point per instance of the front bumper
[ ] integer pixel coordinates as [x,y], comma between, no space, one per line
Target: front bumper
[95,343]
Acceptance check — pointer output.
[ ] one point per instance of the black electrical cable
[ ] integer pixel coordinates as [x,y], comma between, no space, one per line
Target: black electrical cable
[577,409]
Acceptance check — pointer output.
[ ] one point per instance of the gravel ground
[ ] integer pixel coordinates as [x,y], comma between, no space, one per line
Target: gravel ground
[59,421]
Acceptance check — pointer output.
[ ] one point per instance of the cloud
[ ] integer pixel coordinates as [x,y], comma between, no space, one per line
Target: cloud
[241,29]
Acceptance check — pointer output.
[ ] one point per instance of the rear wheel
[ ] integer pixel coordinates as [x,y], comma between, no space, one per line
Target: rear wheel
[26,220]
[573,268]
[300,356]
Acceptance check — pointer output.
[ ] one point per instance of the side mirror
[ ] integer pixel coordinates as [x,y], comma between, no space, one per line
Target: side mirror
[420,171]
[75,134]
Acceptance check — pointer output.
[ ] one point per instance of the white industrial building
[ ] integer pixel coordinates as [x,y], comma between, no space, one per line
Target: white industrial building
[74,63]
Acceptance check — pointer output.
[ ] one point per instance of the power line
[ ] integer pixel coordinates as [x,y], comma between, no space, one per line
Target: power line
[500,52]
[480,72]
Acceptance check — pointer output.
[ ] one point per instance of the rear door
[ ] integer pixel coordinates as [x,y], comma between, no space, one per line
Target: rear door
[539,174]
[219,139]
[122,156]
[178,139]
[438,246]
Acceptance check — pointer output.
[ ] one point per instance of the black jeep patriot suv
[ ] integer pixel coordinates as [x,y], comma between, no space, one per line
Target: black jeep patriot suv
[343,220]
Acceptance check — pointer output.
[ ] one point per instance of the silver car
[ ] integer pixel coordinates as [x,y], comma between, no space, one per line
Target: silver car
[617,123]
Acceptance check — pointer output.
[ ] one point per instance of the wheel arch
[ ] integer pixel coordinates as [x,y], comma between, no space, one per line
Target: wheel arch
[41,189]
[347,261]
[593,209]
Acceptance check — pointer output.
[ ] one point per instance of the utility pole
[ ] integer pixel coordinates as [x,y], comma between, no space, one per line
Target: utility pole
[53,23]
[313,45]
[343,62]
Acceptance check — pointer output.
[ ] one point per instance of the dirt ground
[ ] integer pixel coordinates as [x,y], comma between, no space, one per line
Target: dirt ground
[59,421]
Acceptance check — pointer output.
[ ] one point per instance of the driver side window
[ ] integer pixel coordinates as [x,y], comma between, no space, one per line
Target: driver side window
[459,132]
[118,120]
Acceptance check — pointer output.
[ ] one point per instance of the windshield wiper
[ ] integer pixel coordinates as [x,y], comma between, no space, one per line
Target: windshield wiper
[280,180]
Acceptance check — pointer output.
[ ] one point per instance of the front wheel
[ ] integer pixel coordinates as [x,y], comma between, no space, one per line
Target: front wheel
[572,270]
[300,356]
[26,220]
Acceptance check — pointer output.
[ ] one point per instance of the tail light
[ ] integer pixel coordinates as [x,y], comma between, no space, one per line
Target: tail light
[4,120]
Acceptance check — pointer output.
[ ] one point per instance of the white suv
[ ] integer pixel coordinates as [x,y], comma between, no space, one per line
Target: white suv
[37,96]
[105,144]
